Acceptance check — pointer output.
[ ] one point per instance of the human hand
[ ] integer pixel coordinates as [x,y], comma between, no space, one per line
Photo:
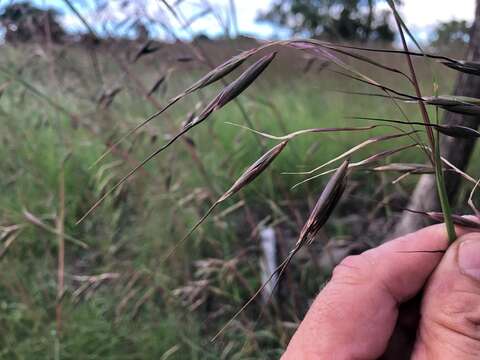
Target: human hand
[369,298]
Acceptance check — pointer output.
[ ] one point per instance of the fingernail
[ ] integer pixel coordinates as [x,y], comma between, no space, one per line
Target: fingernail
[469,256]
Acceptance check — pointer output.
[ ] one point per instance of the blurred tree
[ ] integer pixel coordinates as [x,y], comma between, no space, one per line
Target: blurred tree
[24,22]
[141,32]
[451,33]
[353,20]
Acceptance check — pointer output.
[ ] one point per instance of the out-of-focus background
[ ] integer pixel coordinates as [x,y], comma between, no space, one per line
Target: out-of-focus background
[76,75]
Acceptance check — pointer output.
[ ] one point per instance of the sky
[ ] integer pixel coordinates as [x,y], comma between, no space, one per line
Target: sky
[420,15]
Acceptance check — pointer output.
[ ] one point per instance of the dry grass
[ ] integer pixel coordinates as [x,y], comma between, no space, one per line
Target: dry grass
[122,292]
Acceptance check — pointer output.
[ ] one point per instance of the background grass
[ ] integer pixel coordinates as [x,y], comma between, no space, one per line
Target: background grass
[151,308]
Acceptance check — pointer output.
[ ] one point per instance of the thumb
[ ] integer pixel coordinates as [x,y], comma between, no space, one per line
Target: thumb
[450,314]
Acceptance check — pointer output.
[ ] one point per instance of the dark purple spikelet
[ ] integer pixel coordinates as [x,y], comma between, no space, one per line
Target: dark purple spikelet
[326,203]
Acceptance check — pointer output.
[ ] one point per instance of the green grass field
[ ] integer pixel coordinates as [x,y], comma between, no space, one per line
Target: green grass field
[122,299]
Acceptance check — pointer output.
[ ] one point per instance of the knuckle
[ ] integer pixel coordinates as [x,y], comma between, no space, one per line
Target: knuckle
[354,269]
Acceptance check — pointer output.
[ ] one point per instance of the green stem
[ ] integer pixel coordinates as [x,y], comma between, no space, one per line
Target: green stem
[434,143]
[442,193]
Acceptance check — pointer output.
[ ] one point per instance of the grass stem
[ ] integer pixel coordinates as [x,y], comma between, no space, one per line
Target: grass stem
[435,143]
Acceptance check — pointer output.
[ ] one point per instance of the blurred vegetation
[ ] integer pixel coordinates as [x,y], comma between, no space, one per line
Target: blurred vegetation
[351,20]
[24,22]
[451,34]
[121,300]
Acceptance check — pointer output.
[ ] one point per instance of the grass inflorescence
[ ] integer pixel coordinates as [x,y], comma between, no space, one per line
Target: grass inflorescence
[115,283]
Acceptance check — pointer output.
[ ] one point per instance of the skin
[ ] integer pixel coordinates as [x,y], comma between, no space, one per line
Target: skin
[358,313]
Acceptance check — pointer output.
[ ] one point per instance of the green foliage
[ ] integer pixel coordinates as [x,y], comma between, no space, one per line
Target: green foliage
[452,33]
[353,20]
[24,22]
[153,308]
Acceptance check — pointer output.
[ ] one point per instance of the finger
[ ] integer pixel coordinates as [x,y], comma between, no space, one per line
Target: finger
[355,314]
[450,312]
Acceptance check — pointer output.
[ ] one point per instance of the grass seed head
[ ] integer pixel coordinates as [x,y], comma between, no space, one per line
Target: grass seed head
[325,204]
[460,105]
[458,131]
[382,155]
[243,81]
[468,67]
[218,73]
[457,220]
[405,168]
[156,85]
[145,49]
[254,170]
[235,88]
